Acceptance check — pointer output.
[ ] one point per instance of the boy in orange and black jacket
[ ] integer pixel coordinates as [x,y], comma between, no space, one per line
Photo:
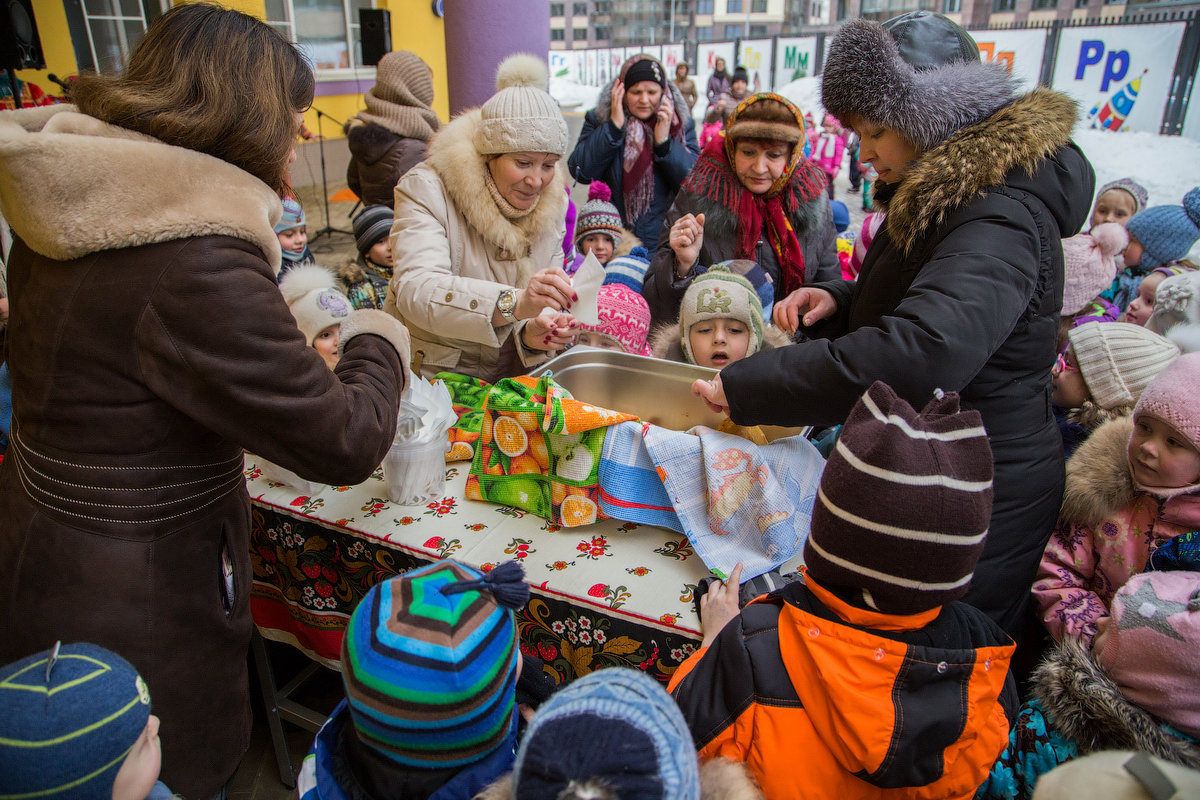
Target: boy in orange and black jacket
[867,680]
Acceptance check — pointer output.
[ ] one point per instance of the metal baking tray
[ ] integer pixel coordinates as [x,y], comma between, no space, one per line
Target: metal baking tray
[656,390]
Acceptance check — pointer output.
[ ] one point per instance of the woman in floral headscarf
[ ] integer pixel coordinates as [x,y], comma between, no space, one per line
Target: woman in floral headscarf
[641,141]
[751,195]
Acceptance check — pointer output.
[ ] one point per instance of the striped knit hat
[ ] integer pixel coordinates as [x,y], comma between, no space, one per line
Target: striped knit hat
[70,719]
[429,661]
[629,269]
[904,503]
[599,215]
[1118,359]
[372,224]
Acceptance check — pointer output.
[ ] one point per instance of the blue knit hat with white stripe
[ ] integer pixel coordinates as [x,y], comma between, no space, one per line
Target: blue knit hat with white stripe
[429,662]
[70,718]
[628,270]
[614,732]
[903,508]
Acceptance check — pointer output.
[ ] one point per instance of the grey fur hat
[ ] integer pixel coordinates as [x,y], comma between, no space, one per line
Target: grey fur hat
[918,73]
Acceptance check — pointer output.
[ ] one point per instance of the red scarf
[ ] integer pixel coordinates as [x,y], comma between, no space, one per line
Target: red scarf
[713,178]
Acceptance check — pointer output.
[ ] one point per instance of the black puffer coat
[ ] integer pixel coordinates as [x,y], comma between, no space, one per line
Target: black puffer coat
[961,291]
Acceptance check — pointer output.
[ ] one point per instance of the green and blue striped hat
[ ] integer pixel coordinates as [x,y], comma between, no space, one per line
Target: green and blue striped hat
[71,715]
[429,661]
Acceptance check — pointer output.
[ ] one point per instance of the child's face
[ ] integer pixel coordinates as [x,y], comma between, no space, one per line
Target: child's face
[1133,253]
[326,344]
[381,252]
[600,340]
[1142,306]
[1070,390]
[598,244]
[1161,456]
[140,768]
[1114,205]
[294,239]
[718,342]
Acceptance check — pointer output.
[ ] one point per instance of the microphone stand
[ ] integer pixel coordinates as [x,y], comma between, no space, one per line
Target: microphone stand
[328,229]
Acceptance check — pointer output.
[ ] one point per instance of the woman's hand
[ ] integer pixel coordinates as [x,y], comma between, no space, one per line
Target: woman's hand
[548,288]
[719,605]
[686,239]
[617,96]
[662,120]
[713,394]
[549,332]
[806,305]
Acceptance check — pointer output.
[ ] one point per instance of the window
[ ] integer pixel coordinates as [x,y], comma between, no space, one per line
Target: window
[758,30]
[1004,5]
[1039,5]
[602,6]
[557,34]
[733,6]
[601,34]
[758,6]
[325,31]
[704,34]
[556,9]
[733,31]
[841,12]
[951,6]
[579,34]
[704,6]
[114,28]
[580,9]
[1081,3]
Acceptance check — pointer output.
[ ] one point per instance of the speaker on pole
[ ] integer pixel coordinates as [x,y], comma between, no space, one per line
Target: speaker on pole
[20,47]
[376,27]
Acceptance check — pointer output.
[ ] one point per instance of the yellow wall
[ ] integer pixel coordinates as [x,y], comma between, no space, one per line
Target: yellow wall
[414,27]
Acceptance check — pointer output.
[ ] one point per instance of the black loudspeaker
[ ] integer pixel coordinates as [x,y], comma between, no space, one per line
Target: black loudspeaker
[376,27]
[20,47]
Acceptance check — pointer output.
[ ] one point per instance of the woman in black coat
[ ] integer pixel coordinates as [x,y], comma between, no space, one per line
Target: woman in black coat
[962,287]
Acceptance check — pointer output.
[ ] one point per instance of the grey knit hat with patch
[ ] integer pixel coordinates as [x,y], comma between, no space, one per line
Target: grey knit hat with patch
[719,293]
[918,73]
[521,117]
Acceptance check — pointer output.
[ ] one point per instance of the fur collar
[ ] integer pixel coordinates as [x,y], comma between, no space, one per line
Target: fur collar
[71,185]
[603,109]
[453,157]
[1086,706]
[973,160]
[665,341]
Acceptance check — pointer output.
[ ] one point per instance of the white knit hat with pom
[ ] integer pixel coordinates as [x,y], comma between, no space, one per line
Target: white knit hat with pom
[521,117]
[315,301]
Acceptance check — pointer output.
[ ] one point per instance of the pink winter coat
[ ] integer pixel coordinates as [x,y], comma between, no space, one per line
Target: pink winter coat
[827,152]
[1106,532]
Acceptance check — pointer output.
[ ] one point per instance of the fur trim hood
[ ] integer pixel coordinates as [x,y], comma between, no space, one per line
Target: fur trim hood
[720,779]
[666,341]
[1086,706]
[452,155]
[976,159]
[71,185]
[865,76]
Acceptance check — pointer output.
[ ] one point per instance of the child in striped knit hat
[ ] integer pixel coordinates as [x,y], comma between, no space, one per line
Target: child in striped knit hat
[430,665]
[900,520]
[598,229]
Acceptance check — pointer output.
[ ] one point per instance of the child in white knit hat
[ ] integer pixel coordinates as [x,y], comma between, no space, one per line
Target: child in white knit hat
[319,306]
[1103,370]
[1131,487]
[720,322]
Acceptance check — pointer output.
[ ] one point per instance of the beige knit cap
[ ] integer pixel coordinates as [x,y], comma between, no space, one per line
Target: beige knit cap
[521,116]
[402,95]
[313,297]
[1118,360]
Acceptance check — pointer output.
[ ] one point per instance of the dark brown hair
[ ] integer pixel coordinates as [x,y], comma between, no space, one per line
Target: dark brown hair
[213,80]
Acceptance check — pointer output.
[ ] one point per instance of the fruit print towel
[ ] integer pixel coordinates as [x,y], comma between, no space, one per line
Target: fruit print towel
[539,450]
[738,501]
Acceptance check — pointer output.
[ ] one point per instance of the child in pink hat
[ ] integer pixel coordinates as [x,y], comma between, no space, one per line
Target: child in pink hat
[1131,487]
[624,321]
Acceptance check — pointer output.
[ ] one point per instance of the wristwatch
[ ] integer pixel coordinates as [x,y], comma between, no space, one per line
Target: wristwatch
[506,304]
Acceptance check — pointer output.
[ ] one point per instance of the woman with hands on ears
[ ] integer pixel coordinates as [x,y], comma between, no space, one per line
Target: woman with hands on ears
[477,241]
[961,288]
[640,139]
[751,195]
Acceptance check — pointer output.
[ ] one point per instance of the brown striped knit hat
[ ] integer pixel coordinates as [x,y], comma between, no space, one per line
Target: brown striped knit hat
[904,503]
